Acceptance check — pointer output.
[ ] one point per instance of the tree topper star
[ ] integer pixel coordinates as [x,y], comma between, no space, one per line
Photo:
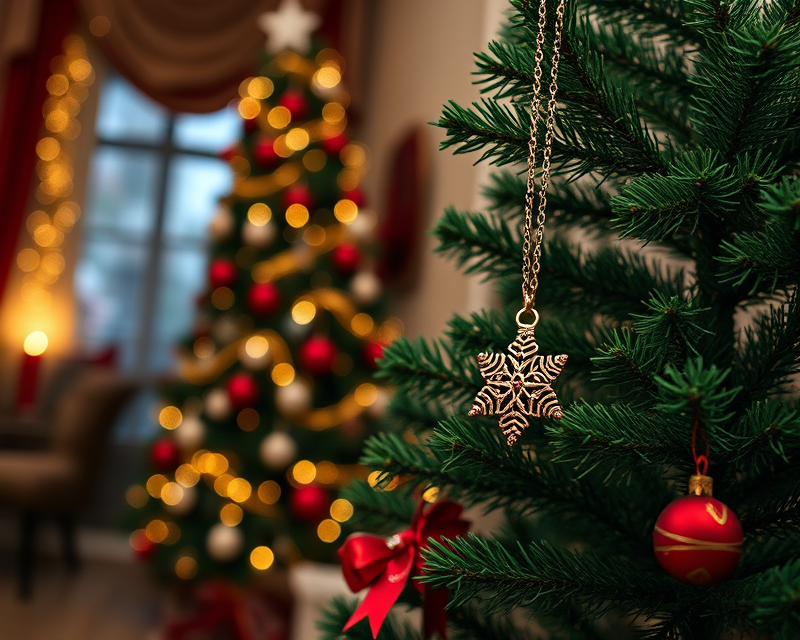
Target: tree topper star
[518,384]
[289,27]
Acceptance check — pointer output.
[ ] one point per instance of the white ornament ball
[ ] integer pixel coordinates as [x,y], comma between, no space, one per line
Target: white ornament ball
[191,433]
[218,405]
[362,229]
[365,287]
[278,450]
[221,225]
[256,236]
[185,504]
[224,543]
[253,357]
[293,398]
[377,410]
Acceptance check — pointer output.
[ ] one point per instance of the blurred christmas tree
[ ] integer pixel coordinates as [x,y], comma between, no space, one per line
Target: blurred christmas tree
[678,127]
[275,398]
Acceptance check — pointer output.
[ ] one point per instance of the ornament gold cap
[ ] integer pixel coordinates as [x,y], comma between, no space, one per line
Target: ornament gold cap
[700,485]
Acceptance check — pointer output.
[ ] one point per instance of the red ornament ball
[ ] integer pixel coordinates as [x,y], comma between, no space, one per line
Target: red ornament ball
[296,103]
[310,503]
[165,454]
[264,153]
[346,258]
[263,300]
[242,390]
[372,353]
[298,194]
[317,355]
[698,540]
[142,547]
[357,196]
[334,145]
[222,273]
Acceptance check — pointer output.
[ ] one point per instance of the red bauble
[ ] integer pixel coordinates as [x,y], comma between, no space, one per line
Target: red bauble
[296,103]
[357,196]
[310,503]
[242,390]
[298,194]
[142,547]
[317,355]
[334,145]
[222,273]
[165,454]
[264,153]
[346,258]
[372,353]
[263,300]
[698,540]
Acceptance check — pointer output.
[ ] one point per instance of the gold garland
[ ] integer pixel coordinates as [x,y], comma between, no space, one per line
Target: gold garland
[285,175]
[339,305]
[291,260]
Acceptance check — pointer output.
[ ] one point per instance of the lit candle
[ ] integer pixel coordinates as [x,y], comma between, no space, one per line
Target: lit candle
[33,347]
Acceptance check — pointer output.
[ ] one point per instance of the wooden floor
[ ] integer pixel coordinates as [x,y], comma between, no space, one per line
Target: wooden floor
[104,601]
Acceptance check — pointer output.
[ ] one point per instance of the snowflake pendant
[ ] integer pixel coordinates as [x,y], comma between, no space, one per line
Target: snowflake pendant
[518,384]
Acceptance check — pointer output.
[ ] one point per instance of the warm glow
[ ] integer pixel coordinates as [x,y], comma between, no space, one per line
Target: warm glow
[366,394]
[221,484]
[379,478]
[48,149]
[136,496]
[186,568]
[431,494]
[248,419]
[314,235]
[223,298]
[35,344]
[391,330]
[155,483]
[297,139]
[239,490]
[353,155]
[262,558]
[345,211]
[57,120]
[204,347]
[138,540]
[156,531]
[327,472]
[269,492]
[187,475]
[170,417]
[66,215]
[28,260]
[362,324]
[231,515]
[341,510]
[260,88]
[283,374]
[53,264]
[296,215]
[99,26]
[171,493]
[329,530]
[173,533]
[304,311]
[327,77]
[279,117]
[333,113]
[249,108]
[57,84]
[80,69]
[259,214]
[46,235]
[256,347]
[304,472]
[314,160]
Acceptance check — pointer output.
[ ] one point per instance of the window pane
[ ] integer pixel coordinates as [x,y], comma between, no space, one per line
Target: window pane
[210,132]
[109,279]
[125,113]
[195,185]
[182,277]
[122,191]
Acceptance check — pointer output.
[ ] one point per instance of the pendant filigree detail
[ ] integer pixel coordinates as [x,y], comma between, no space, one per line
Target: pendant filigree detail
[518,384]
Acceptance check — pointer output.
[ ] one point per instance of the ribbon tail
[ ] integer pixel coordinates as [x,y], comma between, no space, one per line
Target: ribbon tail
[434,616]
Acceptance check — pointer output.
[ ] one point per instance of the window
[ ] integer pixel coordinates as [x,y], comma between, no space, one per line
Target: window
[154,182]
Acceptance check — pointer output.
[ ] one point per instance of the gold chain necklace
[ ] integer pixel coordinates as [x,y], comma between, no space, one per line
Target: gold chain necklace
[518,384]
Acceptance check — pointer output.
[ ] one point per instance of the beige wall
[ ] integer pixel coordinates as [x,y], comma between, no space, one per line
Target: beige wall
[422,56]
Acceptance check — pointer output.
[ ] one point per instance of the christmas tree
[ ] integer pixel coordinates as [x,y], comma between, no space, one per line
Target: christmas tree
[669,276]
[275,398]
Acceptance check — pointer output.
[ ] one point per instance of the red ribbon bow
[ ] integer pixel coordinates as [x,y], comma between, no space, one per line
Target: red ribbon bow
[385,565]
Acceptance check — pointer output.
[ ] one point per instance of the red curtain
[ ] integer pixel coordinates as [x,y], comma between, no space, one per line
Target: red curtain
[21,123]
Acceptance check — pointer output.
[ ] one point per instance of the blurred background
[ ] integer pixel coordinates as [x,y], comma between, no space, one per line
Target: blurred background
[130,132]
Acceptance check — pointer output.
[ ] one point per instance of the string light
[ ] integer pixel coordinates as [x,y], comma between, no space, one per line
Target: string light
[171,493]
[329,530]
[269,492]
[327,472]
[304,472]
[239,490]
[170,417]
[333,113]
[341,510]
[262,558]
[221,484]
[314,160]
[155,483]
[279,117]
[156,531]
[283,374]
[186,568]
[297,215]
[304,311]
[136,496]
[362,324]
[431,494]
[259,214]
[231,514]
[345,211]
[186,475]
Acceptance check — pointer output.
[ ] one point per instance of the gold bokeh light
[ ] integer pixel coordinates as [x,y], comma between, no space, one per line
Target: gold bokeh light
[262,558]
[170,417]
[304,311]
[304,472]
